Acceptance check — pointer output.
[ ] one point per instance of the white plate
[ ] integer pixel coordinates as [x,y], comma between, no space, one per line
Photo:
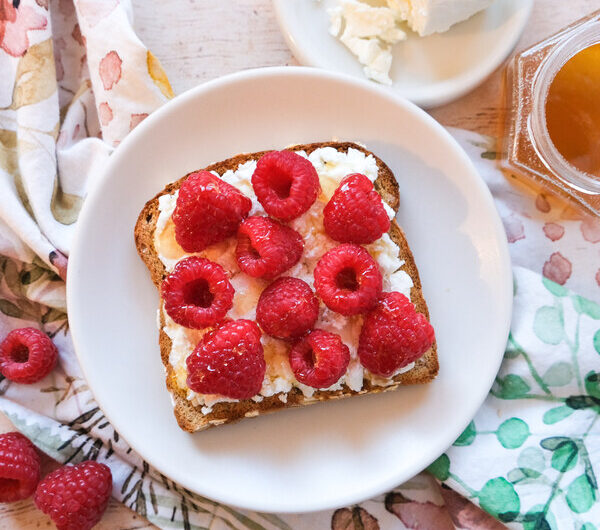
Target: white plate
[430,70]
[331,454]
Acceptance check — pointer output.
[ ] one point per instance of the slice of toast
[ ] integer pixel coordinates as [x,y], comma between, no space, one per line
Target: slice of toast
[190,417]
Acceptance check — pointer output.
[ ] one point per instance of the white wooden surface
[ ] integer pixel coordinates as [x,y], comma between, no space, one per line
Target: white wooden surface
[198,40]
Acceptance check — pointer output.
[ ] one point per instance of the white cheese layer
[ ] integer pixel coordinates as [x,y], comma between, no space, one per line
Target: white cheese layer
[369,31]
[436,16]
[331,166]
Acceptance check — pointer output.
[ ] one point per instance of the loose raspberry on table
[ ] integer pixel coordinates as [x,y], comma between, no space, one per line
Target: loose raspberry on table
[266,248]
[285,183]
[355,212]
[287,308]
[319,359]
[197,294]
[75,497]
[228,361]
[27,355]
[348,280]
[393,335]
[19,467]
[208,210]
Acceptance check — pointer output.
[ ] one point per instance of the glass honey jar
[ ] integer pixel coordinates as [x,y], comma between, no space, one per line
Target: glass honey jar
[551,128]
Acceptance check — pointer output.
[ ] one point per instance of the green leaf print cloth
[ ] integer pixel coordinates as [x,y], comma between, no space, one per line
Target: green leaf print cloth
[531,456]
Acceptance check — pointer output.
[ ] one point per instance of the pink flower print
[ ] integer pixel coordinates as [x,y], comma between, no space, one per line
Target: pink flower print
[542,204]
[416,515]
[15,22]
[136,119]
[110,69]
[554,231]
[598,277]
[514,228]
[466,515]
[590,229]
[59,261]
[558,268]
[105,113]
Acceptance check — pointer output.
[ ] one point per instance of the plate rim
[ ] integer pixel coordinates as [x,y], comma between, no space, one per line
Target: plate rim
[239,77]
[448,90]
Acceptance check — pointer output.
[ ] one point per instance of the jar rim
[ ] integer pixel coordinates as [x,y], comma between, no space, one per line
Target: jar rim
[586,36]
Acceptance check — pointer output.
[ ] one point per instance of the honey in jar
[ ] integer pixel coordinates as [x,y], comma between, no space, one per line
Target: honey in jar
[551,128]
[573,110]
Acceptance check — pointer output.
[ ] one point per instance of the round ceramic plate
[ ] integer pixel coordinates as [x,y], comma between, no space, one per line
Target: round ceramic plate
[430,70]
[330,454]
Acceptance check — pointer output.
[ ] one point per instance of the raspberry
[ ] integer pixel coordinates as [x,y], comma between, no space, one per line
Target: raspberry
[228,361]
[197,293]
[355,213]
[19,467]
[285,183]
[208,210]
[393,335]
[287,308]
[348,280]
[266,248]
[27,355]
[75,497]
[319,359]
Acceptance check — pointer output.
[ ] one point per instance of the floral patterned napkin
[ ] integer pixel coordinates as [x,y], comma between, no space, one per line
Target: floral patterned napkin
[530,458]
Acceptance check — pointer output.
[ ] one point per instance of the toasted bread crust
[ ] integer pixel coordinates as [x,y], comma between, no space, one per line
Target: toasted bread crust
[189,417]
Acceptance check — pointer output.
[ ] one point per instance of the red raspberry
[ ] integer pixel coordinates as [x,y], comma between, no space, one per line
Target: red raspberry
[228,361]
[75,497]
[287,308]
[27,355]
[285,183]
[197,293]
[348,280]
[208,210]
[319,359]
[355,213]
[393,335]
[19,467]
[266,248]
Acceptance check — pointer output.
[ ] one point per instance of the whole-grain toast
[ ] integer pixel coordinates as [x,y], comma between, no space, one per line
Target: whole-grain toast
[190,417]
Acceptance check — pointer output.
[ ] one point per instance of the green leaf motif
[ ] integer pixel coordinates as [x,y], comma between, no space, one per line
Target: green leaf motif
[467,437]
[440,469]
[565,456]
[10,309]
[580,495]
[588,526]
[499,498]
[520,474]
[536,520]
[582,402]
[559,374]
[586,307]
[554,442]
[592,384]
[557,414]
[548,325]
[511,387]
[597,341]
[532,458]
[555,288]
[512,433]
